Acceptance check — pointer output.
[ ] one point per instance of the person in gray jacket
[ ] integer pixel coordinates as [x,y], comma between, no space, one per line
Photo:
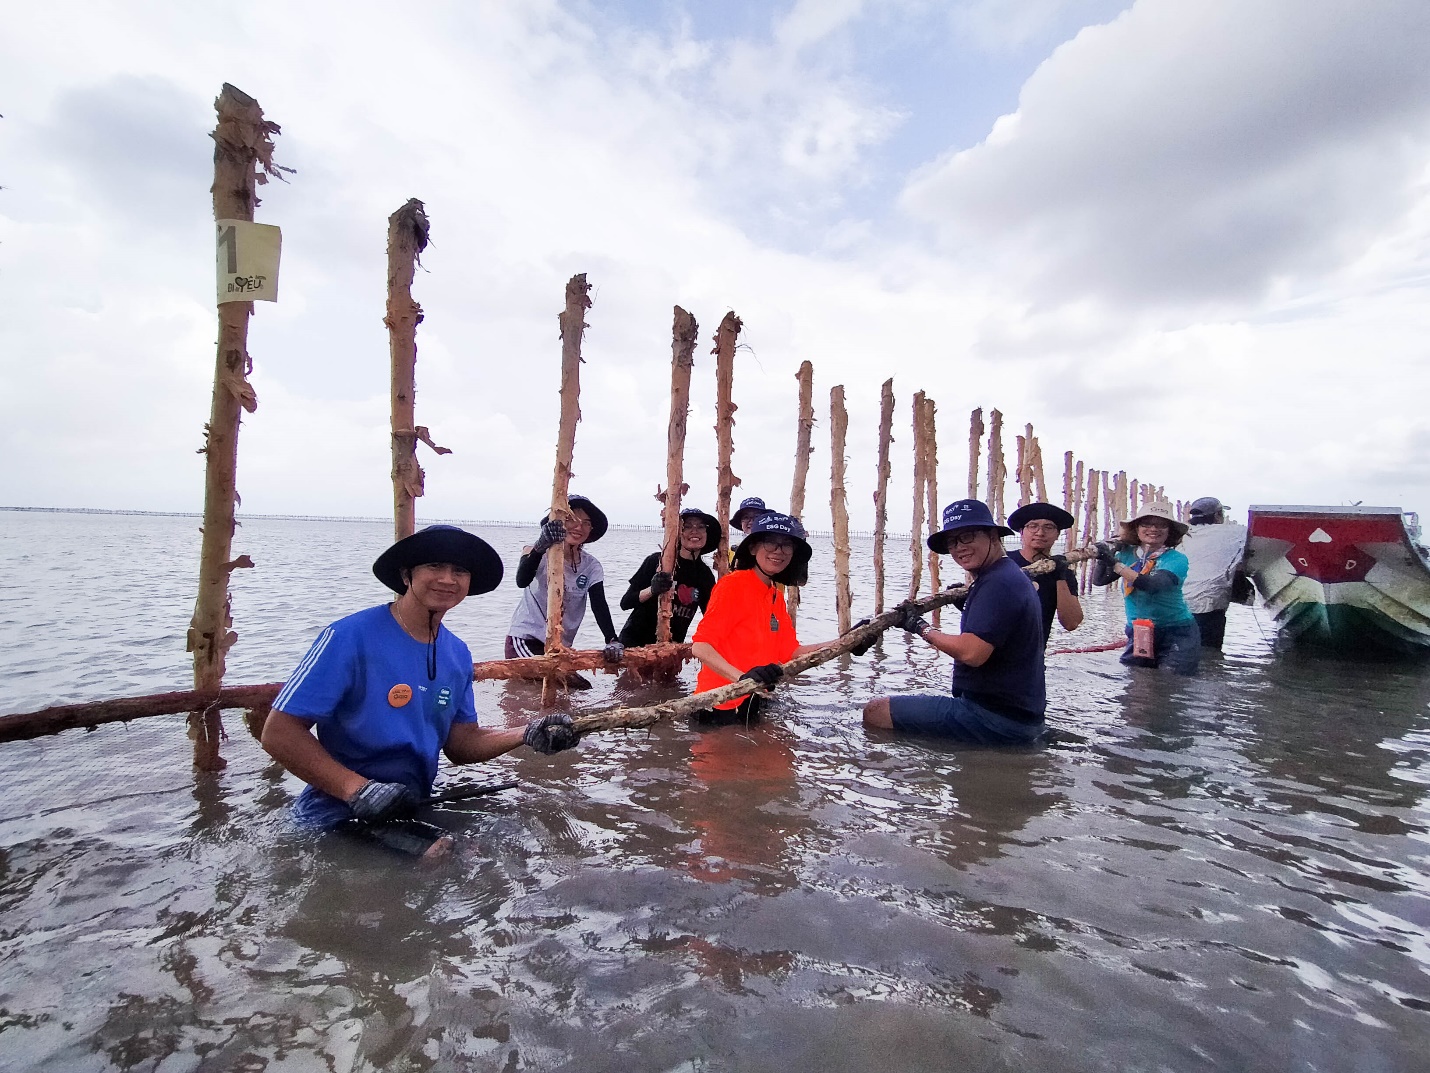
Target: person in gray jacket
[1216,575]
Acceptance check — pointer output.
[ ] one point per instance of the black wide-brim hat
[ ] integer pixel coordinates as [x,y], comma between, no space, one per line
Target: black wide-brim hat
[441,544]
[752,505]
[964,514]
[712,527]
[771,523]
[1039,512]
[599,524]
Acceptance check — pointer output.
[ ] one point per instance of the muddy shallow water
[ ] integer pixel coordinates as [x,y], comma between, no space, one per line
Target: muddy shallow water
[1231,873]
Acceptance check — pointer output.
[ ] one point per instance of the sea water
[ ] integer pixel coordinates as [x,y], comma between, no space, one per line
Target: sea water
[1229,872]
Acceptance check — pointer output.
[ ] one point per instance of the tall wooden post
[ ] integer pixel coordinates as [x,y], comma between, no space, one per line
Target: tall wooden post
[1091,519]
[997,469]
[975,441]
[1134,504]
[1021,469]
[916,539]
[573,325]
[881,489]
[725,479]
[407,231]
[839,506]
[930,438]
[1035,464]
[1074,505]
[243,158]
[684,333]
[803,448]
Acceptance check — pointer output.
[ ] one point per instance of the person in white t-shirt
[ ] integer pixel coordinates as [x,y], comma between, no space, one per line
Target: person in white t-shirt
[585,581]
[1215,550]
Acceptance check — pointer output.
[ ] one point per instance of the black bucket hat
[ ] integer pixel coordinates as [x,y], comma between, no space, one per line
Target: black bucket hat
[772,522]
[440,544]
[712,527]
[1039,512]
[964,514]
[753,505]
[599,524]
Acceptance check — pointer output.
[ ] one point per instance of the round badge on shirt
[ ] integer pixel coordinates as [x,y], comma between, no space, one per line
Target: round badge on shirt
[399,695]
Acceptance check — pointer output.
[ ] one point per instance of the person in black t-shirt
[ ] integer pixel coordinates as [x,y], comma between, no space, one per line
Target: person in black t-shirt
[1038,526]
[998,695]
[692,582]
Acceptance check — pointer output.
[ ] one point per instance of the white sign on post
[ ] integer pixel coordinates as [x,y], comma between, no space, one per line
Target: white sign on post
[247,261]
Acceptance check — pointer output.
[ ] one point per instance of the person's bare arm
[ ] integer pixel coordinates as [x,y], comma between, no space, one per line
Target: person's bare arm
[705,652]
[1069,607]
[470,743]
[290,741]
[967,648]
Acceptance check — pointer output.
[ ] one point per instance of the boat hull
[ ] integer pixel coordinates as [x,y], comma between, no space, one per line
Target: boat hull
[1347,578]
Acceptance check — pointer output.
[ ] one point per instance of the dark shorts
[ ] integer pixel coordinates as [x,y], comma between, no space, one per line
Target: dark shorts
[411,838]
[747,712]
[1212,626]
[524,647]
[961,719]
[1176,648]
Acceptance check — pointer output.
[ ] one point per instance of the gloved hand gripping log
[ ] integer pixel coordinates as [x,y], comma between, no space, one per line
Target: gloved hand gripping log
[859,637]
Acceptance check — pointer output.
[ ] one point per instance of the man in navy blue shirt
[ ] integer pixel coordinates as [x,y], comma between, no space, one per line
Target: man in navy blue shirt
[998,695]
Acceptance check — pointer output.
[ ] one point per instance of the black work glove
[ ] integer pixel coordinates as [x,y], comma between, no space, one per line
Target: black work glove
[613,651]
[378,802]
[862,646]
[962,598]
[911,618]
[767,674]
[661,582]
[551,733]
[1106,554]
[552,533]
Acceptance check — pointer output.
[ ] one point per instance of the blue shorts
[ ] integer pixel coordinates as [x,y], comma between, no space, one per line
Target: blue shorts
[961,719]
[1177,648]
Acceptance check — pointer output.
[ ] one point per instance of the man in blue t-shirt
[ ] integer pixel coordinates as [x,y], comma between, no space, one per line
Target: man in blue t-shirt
[998,695]
[389,688]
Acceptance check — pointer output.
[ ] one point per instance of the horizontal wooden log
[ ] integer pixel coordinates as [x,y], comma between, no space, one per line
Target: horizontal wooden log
[643,659]
[96,713]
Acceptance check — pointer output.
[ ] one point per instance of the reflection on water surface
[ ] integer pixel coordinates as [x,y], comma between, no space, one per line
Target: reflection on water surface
[1229,874]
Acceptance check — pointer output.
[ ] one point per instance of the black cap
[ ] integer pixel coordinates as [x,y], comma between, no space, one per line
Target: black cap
[440,544]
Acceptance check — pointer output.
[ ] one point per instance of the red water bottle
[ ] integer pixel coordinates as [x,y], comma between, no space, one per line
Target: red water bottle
[1142,643]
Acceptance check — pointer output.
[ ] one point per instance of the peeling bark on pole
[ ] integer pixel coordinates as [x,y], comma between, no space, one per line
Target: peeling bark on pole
[881,489]
[1035,464]
[839,505]
[1133,502]
[573,324]
[931,487]
[407,231]
[243,158]
[1067,481]
[997,469]
[1021,469]
[1075,505]
[684,333]
[725,479]
[975,442]
[803,448]
[1090,522]
[916,541]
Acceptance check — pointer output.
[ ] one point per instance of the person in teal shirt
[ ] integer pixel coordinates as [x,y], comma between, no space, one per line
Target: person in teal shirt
[1152,571]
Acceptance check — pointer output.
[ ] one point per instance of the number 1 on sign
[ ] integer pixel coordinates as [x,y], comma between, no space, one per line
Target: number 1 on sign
[227,238]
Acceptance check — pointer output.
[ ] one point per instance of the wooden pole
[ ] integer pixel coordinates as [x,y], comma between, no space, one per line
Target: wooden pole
[1091,519]
[975,441]
[243,158]
[1068,482]
[573,325]
[1133,502]
[930,438]
[916,538]
[1022,469]
[997,470]
[725,479]
[1035,460]
[839,506]
[881,489]
[684,333]
[407,232]
[1074,505]
[803,448]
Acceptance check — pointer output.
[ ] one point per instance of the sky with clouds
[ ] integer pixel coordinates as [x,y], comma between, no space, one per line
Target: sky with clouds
[1185,239]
